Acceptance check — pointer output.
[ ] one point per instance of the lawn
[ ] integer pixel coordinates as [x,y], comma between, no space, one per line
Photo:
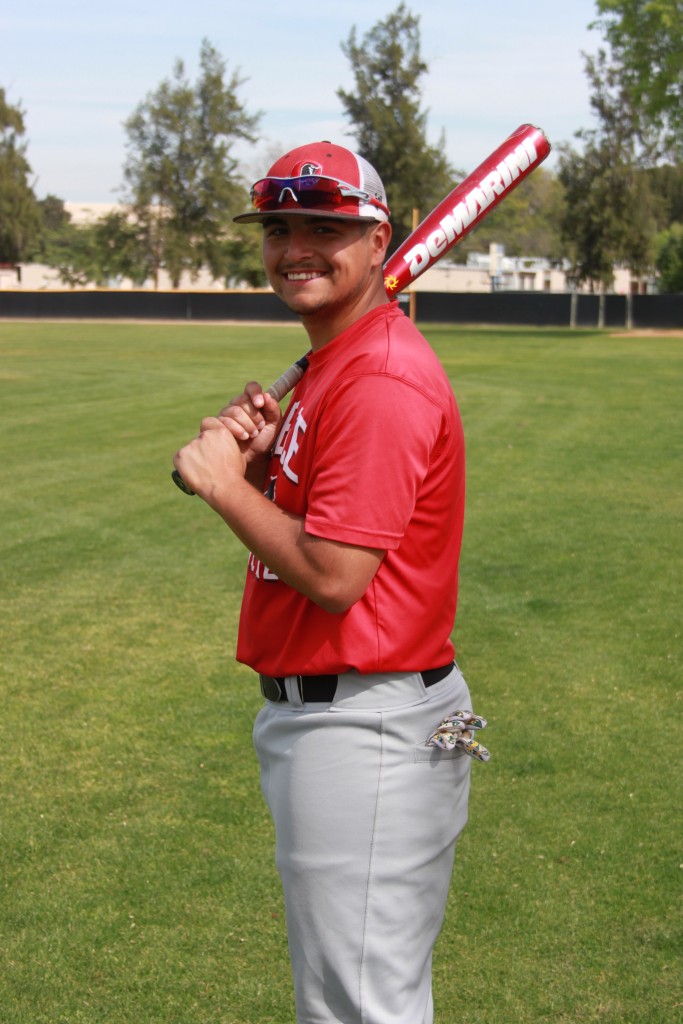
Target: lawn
[136,875]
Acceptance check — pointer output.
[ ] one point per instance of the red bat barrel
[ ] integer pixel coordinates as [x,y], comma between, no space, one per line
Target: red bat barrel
[466,206]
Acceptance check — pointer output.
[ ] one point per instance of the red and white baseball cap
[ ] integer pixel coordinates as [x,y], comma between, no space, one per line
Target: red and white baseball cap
[322,180]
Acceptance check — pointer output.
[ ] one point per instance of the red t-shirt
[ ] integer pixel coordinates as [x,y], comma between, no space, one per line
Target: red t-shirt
[371,453]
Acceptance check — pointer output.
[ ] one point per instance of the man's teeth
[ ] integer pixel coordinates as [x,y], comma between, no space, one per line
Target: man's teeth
[308,275]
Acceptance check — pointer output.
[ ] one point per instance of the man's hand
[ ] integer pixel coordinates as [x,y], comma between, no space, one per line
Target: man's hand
[233,444]
[211,460]
[253,418]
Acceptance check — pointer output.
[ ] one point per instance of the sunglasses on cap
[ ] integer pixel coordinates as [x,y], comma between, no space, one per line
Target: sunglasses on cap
[310,192]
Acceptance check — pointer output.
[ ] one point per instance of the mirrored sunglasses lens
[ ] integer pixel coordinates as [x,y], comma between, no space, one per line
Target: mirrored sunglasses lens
[309,192]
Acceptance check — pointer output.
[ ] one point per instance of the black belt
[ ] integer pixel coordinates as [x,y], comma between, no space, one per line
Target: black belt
[321,689]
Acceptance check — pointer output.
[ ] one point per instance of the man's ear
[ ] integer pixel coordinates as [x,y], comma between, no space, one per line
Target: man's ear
[381,236]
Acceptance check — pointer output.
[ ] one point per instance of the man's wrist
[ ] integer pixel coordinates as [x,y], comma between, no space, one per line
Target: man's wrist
[224,493]
[256,471]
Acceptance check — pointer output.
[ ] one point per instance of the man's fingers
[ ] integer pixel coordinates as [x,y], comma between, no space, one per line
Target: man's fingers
[246,415]
[271,408]
[210,423]
[250,401]
[241,431]
[240,424]
[255,392]
[241,408]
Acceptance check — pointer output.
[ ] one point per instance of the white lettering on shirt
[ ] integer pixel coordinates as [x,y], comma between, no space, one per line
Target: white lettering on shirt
[287,444]
[261,571]
[284,430]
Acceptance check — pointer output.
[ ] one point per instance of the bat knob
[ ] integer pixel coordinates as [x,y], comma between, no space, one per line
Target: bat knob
[179,482]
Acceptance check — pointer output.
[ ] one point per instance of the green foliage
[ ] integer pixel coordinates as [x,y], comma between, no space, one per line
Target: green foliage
[19,217]
[244,260]
[180,173]
[669,258]
[73,254]
[607,216]
[122,246]
[666,186]
[607,220]
[646,38]
[54,217]
[386,120]
[101,252]
[67,248]
[136,859]
[616,195]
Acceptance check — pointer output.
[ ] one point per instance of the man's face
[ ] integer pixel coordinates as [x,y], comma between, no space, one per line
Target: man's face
[319,265]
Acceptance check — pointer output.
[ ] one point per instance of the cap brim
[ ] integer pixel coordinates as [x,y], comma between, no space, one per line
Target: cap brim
[255,216]
[297,211]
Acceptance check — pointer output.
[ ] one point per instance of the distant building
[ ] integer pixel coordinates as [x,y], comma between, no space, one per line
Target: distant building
[89,213]
[494,271]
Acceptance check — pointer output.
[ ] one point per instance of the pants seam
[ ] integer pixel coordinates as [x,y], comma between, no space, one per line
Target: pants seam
[361,966]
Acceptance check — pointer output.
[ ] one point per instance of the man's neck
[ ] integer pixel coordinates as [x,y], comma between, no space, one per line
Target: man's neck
[322,328]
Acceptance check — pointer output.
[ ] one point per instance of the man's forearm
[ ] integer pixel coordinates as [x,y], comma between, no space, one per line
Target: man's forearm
[331,574]
[256,473]
[277,538]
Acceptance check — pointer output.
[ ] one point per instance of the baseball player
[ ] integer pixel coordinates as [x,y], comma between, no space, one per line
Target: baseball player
[351,508]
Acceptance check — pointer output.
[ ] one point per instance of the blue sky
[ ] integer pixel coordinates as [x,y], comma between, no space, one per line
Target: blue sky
[79,69]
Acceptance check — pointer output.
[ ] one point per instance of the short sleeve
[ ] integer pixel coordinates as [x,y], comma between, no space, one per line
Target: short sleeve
[375,438]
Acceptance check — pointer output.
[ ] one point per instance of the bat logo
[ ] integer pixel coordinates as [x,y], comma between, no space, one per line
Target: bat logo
[463,208]
[391,283]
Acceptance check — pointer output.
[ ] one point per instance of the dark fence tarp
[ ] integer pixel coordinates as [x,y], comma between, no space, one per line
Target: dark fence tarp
[540,309]
[663,311]
[143,305]
[533,308]
[549,309]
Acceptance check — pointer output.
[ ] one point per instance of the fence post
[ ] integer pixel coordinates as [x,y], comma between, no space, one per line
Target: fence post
[573,303]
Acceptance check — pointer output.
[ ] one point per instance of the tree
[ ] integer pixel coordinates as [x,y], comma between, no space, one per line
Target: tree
[67,248]
[180,172]
[605,223]
[59,245]
[244,260]
[110,248]
[387,123]
[646,40]
[616,198]
[607,219]
[19,215]
[669,258]
[121,244]
[666,184]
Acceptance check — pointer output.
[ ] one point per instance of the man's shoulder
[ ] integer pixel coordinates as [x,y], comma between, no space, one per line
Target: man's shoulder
[410,355]
[391,335]
[385,343]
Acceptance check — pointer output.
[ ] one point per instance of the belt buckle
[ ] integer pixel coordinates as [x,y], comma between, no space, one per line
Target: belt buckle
[270,688]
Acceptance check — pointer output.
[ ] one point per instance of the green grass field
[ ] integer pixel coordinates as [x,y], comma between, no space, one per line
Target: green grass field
[137,883]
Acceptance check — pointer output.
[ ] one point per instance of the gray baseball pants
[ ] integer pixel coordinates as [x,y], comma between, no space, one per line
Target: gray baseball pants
[366,821]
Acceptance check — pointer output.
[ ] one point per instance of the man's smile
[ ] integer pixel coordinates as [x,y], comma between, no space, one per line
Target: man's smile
[302,275]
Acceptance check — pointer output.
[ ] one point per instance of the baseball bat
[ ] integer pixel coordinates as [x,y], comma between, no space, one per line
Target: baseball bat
[449,222]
